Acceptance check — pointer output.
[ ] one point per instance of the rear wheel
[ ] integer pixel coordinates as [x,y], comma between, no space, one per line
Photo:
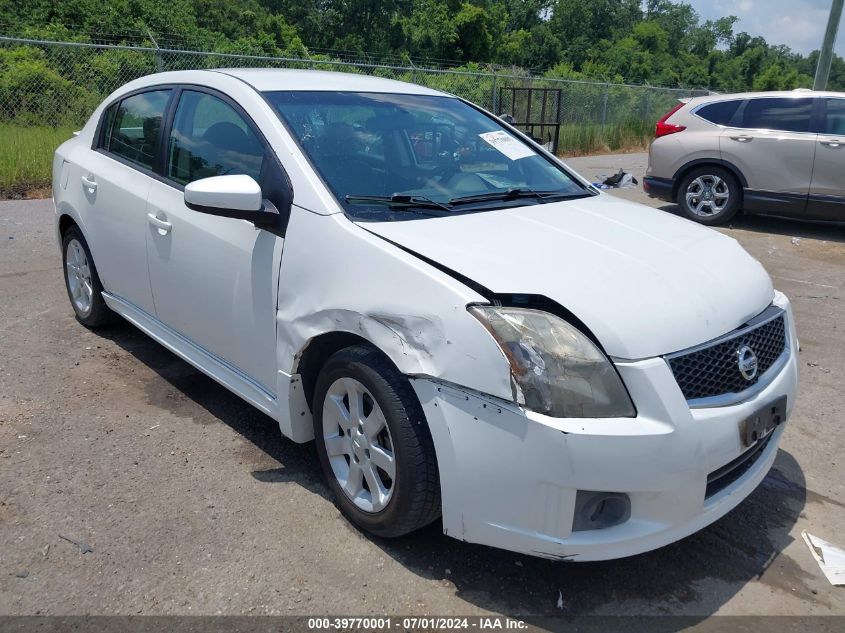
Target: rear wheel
[709,195]
[374,445]
[82,282]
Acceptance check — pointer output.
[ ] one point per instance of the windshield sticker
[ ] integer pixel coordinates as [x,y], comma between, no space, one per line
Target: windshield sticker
[508,145]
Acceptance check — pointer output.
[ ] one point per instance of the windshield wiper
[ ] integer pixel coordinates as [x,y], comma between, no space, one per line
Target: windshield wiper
[514,194]
[399,201]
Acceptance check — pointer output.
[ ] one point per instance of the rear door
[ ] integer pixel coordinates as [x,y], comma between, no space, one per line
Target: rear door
[827,191]
[114,179]
[770,140]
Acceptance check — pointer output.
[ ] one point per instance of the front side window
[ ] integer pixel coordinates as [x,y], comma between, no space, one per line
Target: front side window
[384,154]
[210,138]
[132,128]
[835,120]
[782,114]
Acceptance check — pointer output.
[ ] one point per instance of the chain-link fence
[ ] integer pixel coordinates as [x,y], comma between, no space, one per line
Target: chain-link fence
[60,83]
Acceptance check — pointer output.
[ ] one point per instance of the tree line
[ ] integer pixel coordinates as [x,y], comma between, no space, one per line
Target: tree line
[659,42]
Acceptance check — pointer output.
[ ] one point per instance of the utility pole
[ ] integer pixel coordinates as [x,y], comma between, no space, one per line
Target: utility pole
[159,62]
[826,53]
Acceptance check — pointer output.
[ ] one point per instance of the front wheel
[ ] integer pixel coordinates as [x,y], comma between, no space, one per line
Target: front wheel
[374,445]
[709,195]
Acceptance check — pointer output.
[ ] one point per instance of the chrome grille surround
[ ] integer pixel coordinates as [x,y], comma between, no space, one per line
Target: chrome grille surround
[708,374]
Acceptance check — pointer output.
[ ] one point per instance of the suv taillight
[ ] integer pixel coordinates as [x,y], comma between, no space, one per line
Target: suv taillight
[665,129]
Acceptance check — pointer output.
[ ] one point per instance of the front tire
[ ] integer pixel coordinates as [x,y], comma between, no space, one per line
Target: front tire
[82,281]
[374,445]
[709,195]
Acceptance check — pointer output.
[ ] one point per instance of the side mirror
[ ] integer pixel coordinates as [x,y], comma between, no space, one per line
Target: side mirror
[234,196]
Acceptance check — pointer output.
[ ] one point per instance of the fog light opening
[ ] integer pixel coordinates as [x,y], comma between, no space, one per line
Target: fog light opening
[600,510]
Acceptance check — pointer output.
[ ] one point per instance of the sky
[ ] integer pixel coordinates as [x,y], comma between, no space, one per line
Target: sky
[799,24]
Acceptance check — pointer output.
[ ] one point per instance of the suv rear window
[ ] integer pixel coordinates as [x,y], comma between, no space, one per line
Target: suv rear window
[774,113]
[720,112]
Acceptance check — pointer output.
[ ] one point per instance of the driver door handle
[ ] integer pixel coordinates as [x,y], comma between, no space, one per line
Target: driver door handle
[742,139]
[834,144]
[161,225]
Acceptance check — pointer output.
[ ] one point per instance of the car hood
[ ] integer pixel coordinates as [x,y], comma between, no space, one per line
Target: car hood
[646,283]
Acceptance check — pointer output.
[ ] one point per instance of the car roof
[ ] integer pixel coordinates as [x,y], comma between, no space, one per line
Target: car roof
[269,79]
[794,94]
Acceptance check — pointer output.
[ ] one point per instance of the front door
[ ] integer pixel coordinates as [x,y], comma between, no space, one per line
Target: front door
[214,279]
[827,191]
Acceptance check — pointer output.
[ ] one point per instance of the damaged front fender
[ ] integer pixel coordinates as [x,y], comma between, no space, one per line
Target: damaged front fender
[361,285]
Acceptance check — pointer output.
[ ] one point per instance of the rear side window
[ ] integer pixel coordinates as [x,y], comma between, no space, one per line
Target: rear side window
[132,129]
[720,112]
[835,121]
[783,114]
[210,138]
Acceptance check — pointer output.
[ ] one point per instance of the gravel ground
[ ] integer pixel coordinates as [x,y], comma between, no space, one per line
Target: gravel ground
[193,503]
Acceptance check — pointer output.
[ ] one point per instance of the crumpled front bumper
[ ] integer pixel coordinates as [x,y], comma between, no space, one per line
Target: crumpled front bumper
[509,477]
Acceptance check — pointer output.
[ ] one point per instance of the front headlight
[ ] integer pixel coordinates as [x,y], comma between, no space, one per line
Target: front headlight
[556,369]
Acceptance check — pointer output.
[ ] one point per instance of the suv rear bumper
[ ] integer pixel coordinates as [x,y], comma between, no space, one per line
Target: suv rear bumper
[660,188]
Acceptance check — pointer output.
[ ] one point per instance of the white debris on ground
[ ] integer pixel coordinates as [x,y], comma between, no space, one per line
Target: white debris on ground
[830,558]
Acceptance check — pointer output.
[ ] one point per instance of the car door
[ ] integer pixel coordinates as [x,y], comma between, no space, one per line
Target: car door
[114,178]
[827,190]
[770,140]
[214,279]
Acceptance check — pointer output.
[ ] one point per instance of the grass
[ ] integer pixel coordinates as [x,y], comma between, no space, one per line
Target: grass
[583,139]
[26,157]
[26,153]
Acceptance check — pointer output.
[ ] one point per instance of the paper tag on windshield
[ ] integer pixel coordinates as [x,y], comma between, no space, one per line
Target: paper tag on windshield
[508,145]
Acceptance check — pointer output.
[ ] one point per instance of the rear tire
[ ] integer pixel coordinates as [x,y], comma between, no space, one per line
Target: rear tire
[371,434]
[82,281]
[709,195]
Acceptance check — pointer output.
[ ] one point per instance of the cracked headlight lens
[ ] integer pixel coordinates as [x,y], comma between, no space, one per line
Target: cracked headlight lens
[556,369]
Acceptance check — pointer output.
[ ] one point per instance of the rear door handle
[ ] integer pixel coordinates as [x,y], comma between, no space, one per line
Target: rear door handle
[834,144]
[161,225]
[742,139]
[89,183]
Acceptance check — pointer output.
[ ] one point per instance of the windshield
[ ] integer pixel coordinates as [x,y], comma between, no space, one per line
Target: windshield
[397,156]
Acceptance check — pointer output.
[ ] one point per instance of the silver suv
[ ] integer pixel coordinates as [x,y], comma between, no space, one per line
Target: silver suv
[772,153]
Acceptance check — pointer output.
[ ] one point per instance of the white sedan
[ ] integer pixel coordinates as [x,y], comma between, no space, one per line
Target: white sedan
[467,328]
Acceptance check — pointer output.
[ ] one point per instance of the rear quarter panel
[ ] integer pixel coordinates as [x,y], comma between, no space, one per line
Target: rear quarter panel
[65,165]
[669,154]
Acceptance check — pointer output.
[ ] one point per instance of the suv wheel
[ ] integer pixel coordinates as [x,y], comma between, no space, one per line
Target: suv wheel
[374,444]
[709,195]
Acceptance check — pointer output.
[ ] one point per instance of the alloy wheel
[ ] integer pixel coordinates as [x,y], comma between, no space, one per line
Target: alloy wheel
[359,445]
[79,277]
[707,195]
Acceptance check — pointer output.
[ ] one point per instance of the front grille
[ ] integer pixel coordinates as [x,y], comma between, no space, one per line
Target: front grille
[713,369]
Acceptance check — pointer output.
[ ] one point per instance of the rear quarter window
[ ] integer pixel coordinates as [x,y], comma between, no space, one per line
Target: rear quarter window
[720,112]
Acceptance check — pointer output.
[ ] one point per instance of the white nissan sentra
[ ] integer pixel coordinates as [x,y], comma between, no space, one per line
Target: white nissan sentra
[464,325]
